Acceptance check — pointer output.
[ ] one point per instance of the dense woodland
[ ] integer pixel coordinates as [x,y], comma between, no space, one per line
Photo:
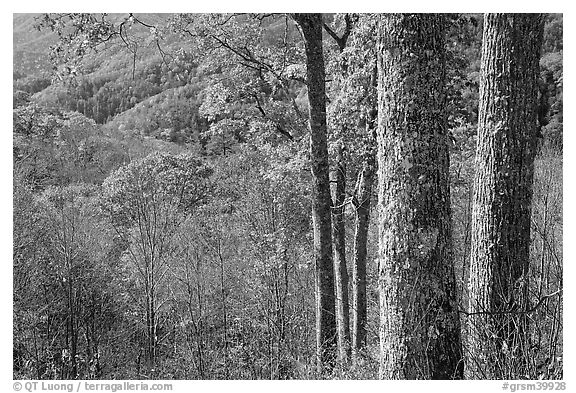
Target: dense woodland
[287,196]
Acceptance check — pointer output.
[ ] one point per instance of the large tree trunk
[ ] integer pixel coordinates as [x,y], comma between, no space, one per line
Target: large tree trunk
[419,325]
[311,25]
[507,132]
[340,268]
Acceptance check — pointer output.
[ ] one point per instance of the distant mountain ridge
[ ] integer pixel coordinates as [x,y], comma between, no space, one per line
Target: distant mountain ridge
[31,47]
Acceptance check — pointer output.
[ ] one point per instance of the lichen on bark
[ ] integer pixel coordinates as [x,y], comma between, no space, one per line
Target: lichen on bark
[419,325]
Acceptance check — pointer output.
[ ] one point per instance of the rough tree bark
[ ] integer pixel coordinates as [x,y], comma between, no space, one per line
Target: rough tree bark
[507,134]
[419,324]
[311,26]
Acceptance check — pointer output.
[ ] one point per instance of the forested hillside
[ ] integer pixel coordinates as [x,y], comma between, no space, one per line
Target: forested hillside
[287,196]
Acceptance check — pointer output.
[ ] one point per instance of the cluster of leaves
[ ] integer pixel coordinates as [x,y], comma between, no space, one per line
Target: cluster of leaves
[353,106]
[52,147]
[158,181]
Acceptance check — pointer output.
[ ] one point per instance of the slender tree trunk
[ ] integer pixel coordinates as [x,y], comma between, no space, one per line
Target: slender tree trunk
[419,325]
[150,313]
[151,328]
[361,204]
[507,134]
[224,308]
[340,268]
[200,318]
[338,213]
[311,25]
[73,327]
[283,283]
